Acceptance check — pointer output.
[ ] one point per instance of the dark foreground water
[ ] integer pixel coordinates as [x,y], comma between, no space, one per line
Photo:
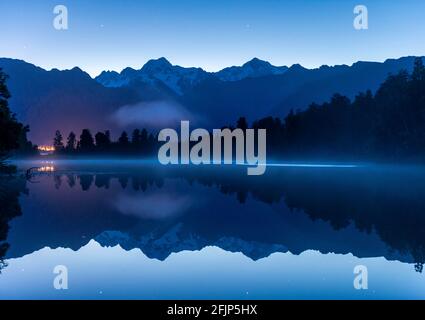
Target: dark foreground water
[138,230]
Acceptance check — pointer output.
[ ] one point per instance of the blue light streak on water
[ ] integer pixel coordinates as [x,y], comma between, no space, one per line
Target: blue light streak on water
[132,162]
[310,165]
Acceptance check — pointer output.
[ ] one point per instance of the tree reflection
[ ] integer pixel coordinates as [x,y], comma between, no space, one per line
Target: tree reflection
[388,202]
[10,189]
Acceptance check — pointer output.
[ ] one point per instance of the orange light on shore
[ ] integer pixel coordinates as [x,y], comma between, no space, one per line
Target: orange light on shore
[46,169]
[46,148]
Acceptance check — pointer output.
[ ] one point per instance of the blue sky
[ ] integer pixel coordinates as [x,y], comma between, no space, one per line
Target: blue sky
[111,35]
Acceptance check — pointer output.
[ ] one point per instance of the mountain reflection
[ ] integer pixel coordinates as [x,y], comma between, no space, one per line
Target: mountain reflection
[376,211]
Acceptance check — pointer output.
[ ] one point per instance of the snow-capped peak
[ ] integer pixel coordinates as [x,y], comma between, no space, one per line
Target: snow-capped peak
[179,79]
[156,66]
[251,69]
[175,78]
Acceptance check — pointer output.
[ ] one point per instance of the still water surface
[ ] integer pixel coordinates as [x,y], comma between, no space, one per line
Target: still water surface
[131,229]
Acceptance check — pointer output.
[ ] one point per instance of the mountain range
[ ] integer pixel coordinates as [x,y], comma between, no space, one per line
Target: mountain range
[180,80]
[160,93]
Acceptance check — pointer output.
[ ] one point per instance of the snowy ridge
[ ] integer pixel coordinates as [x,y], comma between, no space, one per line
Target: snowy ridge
[175,78]
[179,79]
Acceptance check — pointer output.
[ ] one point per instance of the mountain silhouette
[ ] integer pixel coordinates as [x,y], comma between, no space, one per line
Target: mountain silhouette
[68,99]
[71,100]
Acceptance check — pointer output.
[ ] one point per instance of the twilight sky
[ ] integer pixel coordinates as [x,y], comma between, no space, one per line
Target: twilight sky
[213,34]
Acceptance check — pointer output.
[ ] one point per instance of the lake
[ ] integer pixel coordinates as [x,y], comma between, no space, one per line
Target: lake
[139,230]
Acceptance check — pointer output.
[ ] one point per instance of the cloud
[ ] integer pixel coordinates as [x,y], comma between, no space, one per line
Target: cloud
[156,114]
[154,206]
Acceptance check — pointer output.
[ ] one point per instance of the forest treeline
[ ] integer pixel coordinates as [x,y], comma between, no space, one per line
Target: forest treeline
[140,143]
[388,125]
[13,134]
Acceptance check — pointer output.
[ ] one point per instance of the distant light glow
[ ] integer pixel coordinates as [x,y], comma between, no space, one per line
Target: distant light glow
[46,169]
[46,148]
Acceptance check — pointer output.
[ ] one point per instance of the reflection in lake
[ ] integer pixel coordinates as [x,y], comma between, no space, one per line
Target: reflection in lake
[10,188]
[249,230]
